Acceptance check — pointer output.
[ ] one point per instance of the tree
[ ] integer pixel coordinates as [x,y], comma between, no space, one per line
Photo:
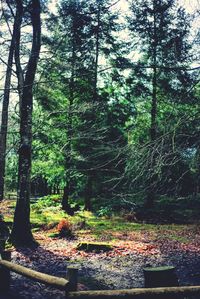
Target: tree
[6,97]
[21,231]
[76,51]
[68,41]
[104,46]
[82,36]
[161,29]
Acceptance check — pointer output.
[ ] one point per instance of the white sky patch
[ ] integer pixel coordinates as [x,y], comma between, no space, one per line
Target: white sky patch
[191,7]
[52,6]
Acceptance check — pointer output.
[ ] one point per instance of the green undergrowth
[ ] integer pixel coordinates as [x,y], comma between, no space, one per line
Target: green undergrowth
[100,228]
[181,210]
[119,224]
[46,213]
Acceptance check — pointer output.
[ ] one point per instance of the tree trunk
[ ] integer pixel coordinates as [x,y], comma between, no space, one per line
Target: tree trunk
[96,54]
[151,192]
[88,193]
[6,99]
[65,201]
[154,103]
[198,170]
[89,185]
[19,70]
[68,149]
[68,161]
[21,232]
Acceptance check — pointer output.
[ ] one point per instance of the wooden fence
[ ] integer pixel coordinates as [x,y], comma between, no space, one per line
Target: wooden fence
[69,285]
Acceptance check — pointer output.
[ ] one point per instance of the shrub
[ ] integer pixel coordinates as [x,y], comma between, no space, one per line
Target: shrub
[65,228]
[46,202]
[104,211]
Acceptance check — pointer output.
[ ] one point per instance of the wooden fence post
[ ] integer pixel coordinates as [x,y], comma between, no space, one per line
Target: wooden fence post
[5,273]
[72,276]
[165,276]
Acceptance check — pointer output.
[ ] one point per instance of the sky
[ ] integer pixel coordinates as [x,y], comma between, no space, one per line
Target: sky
[190,5]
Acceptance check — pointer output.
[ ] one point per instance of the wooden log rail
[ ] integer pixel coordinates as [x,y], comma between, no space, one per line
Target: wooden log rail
[149,293]
[70,285]
[6,266]
[59,283]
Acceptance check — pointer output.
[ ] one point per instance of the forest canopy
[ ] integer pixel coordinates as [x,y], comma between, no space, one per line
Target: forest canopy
[99,104]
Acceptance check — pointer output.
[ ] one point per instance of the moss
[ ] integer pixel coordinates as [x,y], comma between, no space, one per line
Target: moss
[159,269]
[53,235]
[97,247]
[46,217]
[97,228]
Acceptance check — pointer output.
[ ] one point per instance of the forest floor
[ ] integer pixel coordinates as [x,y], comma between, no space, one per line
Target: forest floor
[135,246]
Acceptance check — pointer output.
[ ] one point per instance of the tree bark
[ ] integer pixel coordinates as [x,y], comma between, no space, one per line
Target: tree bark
[65,203]
[151,293]
[97,53]
[154,103]
[153,129]
[88,193]
[68,150]
[89,185]
[19,70]
[6,99]
[154,80]
[21,232]
[198,170]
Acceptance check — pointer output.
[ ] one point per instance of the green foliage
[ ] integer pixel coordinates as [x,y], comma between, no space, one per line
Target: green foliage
[171,210]
[93,114]
[47,202]
[104,211]
[43,203]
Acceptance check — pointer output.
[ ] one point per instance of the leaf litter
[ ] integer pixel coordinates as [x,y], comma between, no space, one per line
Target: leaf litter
[119,268]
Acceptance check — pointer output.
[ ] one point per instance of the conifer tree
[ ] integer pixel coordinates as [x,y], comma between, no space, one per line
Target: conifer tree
[82,38]
[161,30]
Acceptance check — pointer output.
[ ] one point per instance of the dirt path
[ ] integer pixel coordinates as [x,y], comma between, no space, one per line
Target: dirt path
[121,268]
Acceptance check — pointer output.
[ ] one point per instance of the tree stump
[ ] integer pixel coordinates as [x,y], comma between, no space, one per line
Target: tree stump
[72,276]
[165,276]
[96,247]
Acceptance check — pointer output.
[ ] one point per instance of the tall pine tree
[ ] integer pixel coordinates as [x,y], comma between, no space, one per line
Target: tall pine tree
[160,29]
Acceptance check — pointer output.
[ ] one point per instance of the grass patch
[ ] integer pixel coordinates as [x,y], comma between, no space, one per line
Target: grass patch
[181,239]
[117,224]
[46,217]
[85,224]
